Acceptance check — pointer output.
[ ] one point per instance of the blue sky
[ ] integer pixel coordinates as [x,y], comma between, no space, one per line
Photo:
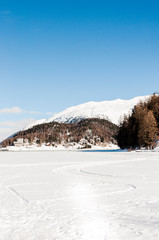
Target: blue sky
[55,54]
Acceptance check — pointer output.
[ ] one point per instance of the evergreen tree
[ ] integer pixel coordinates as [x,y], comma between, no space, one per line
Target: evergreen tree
[148,130]
[141,127]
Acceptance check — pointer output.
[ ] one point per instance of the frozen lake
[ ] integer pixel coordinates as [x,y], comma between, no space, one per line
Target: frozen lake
[79,195]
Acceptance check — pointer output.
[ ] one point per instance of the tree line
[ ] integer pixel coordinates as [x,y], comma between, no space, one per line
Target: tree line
[141,128]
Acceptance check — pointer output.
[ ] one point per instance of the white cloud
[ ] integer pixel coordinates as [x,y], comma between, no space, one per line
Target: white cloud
[17,110]
[13,110]
[33,112]
[14,124]
[5,132]
[8,128]
[36,113]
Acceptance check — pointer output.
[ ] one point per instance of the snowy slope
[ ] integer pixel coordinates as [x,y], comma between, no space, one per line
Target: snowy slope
[34,123]
[111,110]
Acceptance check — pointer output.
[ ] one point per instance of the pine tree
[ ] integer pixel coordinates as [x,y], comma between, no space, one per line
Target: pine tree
[148,130]
[153,104]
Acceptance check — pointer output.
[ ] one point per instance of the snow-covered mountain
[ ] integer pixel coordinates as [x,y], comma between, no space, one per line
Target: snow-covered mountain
[111,110]
[34,123]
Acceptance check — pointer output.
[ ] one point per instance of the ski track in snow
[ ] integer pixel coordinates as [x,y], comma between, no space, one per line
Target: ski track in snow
[79,195]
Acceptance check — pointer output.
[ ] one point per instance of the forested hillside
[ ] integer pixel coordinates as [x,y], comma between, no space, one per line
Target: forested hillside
[87,132]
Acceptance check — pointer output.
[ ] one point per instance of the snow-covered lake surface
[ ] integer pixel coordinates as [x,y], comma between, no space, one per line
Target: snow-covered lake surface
[79,195]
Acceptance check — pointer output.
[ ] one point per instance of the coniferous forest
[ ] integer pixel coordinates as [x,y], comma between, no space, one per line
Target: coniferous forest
[141,128]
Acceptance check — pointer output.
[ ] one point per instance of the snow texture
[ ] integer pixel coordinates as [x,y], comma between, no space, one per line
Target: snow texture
[79,195]
[34,123]
[111,110]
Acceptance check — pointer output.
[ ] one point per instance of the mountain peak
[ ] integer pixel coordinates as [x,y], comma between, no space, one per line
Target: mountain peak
[112,110]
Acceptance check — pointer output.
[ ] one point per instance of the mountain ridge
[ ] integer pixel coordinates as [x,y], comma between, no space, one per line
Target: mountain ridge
[112,110]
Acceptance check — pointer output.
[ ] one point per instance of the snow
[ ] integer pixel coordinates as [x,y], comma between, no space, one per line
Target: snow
[59,147]
[34,123]
[79,195]
[112,110]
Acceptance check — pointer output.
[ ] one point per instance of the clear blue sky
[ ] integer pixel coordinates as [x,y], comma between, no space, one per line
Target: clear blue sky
[58,53]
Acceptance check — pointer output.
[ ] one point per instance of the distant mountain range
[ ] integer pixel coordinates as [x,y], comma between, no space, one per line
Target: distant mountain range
[110,110]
